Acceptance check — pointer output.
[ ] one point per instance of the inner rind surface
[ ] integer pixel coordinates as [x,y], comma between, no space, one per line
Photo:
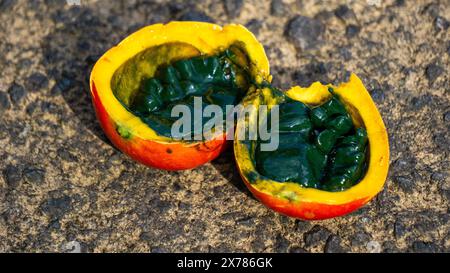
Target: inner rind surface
[159,78]
[319,147]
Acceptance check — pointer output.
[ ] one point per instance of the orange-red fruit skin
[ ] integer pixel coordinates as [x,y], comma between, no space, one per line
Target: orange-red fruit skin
[305,210]
[166,156]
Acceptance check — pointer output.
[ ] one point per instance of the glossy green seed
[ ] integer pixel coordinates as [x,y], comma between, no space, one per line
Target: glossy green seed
[340,125]
[185,69]
[221,98]
[319,116]
[212,65]
[149,99]
[290,140]
[326,140]
[334,107]
[317,161]
[169,75]
[348,159]
[295,118]
[282,166]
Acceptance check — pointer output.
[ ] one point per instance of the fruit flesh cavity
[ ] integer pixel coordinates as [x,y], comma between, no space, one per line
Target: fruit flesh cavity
[220,79]
[319,147]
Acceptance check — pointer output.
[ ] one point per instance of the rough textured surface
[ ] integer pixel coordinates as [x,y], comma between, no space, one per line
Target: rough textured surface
[62,182]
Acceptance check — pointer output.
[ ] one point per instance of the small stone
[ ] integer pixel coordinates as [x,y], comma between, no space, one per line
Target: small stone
[57,207]
[36,82]
[445,193]
[399,229]
[304,32]
[405,183]
[323,15]
[352,30]
[145,236]
[282,244]
[116,186]
[442,141]
[175,6]
[31,108]
[233,7]
[433,71]
[4,102]
[425,225]
[161,206]
[6,4]
[176,186]
[438,176]
[254,25]
[378,95]
[16,93]
[345,53]
[49,107]
[373,247]
[431,10]
[24,63]
[440,23]
[158,250]
[316,235]
[195,15]
[246,221]
[64,154]
[258,245]
[390,247]
[277,8]
[403,165]
[447,116]
[360,239]
[83,46]
[72,247]
[54,225]
[34,175]
[424,247]
[302,226]
[12,176]
[64,84]
[344,13]
[333,245]
[419,102]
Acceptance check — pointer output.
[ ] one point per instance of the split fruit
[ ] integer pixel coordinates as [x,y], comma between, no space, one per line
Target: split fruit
[332,155]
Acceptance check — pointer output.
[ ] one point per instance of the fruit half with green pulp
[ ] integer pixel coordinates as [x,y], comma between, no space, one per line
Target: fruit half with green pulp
[136,84]
[333,152]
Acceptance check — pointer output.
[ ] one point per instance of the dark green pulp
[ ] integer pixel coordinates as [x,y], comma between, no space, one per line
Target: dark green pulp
[319,147]
[213,78]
